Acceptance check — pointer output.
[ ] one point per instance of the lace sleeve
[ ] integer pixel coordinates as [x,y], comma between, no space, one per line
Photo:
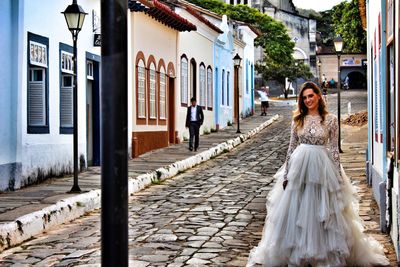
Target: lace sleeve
[294,140]
[333,140]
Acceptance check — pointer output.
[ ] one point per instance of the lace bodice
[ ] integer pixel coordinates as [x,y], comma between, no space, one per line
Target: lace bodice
[314,132]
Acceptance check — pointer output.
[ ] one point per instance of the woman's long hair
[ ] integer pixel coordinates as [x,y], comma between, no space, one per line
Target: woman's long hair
[300,113]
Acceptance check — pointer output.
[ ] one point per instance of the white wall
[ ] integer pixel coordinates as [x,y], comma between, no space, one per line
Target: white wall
[198,45]
[52,153]
[248,58]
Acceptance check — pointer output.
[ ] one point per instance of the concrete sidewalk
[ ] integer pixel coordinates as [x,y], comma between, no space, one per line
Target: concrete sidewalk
[29,211]
[355,140]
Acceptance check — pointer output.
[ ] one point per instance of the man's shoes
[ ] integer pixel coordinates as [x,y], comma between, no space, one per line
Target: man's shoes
[191,148]
[195,149]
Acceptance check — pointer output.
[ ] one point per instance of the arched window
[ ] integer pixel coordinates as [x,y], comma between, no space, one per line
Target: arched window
[202,83]
[152,92]
[163,94]
[184,80]
[141,89]
[209,88]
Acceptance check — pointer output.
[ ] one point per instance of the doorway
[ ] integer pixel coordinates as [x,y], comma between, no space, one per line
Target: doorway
[93,110]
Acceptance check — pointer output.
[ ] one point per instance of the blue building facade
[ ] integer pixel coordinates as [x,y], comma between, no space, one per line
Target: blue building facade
[223,79]
[10,165]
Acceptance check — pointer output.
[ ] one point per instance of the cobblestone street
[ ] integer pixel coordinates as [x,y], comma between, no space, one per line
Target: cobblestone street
[211,215]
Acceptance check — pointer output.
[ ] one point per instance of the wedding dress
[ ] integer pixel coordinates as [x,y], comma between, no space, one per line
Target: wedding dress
[314,222]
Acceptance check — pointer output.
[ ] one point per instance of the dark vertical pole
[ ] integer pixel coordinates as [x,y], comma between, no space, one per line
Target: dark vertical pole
[114,144]
[338,105]
[75,188]
[237,98]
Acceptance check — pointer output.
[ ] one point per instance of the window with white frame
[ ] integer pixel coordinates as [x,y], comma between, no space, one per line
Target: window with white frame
[37,97]
[209,88]
[37,91]
[202,83]
[66,101]
[66,89]
[67,62]
[163,94]
[141,89]
[152,91]
[89,70]
[184,80]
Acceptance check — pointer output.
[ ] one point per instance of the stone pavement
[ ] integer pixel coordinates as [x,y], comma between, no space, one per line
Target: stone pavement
[211,215]
[29,211]
[353,161]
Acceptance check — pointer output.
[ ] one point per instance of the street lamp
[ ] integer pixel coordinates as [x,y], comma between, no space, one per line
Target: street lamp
[75,16]
[338,42]
[296,64]
[236,62]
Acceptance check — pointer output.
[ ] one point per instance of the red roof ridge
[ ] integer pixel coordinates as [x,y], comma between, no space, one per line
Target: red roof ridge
[167,16]
[197,15]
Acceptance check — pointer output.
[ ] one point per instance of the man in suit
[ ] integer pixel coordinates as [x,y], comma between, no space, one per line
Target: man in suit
[194,119]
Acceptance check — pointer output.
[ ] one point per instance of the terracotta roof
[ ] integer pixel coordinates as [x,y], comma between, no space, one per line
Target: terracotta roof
[197,15]
[163,14]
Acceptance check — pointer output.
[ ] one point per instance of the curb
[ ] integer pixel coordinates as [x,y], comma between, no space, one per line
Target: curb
[68,209]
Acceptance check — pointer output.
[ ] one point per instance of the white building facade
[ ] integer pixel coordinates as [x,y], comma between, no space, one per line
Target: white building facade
[38,139]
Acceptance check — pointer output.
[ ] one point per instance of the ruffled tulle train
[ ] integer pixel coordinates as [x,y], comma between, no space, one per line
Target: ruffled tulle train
[315,220]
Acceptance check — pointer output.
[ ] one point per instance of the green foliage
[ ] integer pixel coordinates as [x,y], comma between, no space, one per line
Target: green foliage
[274,38]
[347,22]
[325,27]
[280,71]
[311,13]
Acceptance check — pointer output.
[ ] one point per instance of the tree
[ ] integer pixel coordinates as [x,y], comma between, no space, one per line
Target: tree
[279,72]
[347,22]
[275,41]
[325,27]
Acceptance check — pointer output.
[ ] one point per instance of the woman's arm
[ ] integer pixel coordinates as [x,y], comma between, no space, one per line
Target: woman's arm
[334,146]
[294,140]
[333,140]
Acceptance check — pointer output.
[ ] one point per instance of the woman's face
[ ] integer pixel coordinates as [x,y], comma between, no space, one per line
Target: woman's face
[311,99]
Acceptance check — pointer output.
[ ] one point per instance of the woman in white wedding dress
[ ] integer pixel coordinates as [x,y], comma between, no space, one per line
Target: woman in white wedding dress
[313,209]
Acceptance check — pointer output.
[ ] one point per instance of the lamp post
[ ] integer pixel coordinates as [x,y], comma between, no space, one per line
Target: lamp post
[75,16]
[296,64]
[338,42]
[236,62]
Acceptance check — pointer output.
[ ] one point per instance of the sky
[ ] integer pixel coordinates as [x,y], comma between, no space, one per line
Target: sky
[317,5]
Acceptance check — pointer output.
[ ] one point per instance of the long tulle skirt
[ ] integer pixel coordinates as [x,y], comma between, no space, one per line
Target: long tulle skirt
[315,220]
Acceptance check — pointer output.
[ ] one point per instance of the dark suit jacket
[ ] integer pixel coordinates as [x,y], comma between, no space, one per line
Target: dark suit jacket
[199,115]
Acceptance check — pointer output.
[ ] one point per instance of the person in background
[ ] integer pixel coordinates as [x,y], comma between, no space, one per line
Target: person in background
[264,92]
[331,83]
[194,119]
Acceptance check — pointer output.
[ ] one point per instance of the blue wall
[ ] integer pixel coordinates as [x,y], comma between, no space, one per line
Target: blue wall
[223,61]
[8,91]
